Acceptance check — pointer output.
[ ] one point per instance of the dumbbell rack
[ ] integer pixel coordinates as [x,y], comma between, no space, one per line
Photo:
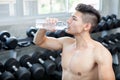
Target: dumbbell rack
[6,54]
[18,52]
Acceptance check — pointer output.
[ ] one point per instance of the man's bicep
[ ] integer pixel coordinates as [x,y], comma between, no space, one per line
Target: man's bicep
[106,72]
[105,69]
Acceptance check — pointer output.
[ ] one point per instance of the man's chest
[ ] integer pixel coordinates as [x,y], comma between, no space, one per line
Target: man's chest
[78,61]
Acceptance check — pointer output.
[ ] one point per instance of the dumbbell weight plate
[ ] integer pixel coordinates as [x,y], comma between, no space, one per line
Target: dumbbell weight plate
[110,24]
[58,62]
[0,45]
[24,59]
[51,67]
[4,33]
[2,69]
[37,55]
[102,26]
[38,71]
[7,76]
[115,20]
[12,43]
[50,34]
[118,36]
[29,31]
[59,33]
[9,63]
[23,73]
[48,53]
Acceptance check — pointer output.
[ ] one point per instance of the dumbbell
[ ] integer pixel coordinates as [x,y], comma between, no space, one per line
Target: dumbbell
[5,75]
[117,43]
[31,32]
[113,39]
[10,42]
[0,45]
[48,64]
[118,76]
[57,75]
[36,69]
[115,20]
[52,55]
[21,73]
[55,57]
[61,33]
[107,40]
[111,47]
[59,52]
[56,34]
[116,39]
[50,34]
[102,25]
[118,36]
[109,22]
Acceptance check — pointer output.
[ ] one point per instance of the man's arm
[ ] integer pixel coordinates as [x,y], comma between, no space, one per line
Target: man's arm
[43,41]
[105,69]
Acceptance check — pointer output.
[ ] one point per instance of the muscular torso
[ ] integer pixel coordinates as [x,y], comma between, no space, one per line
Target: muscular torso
[79,64]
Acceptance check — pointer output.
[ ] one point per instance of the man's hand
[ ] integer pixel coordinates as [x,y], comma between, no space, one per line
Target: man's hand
[50,24]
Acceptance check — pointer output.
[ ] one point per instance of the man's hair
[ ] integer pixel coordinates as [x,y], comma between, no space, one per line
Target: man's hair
[90,14]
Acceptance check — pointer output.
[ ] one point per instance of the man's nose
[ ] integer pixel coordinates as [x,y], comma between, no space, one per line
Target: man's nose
[68,21]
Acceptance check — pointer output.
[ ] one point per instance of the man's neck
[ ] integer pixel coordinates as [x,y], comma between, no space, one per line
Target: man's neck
[83,40]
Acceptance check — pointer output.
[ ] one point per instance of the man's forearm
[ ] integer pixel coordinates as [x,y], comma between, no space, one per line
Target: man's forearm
[39,36]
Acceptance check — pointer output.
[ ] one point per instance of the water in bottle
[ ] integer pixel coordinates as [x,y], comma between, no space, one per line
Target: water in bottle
[60,25]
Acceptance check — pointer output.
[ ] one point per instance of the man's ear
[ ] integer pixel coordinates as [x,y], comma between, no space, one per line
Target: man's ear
[87,26]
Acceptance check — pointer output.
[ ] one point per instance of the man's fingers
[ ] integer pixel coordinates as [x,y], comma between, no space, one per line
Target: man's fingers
[52,20]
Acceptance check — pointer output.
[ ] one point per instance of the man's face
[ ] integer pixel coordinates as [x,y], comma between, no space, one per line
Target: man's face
[75,24]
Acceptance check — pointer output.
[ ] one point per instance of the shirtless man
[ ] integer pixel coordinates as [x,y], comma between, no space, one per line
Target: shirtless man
[82,57]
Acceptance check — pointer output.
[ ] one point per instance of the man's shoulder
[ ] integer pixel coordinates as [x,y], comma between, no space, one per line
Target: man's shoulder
[99,47]
[101,52]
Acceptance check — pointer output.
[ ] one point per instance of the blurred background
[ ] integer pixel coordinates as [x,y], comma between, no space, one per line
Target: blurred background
[18,19]
[17,15]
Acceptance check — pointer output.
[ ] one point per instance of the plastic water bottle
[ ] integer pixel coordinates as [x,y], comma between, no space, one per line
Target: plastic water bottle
[42,24]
